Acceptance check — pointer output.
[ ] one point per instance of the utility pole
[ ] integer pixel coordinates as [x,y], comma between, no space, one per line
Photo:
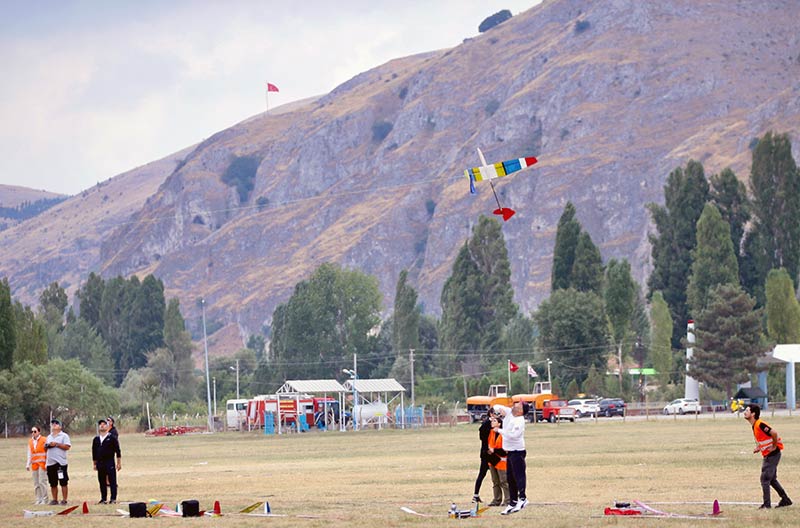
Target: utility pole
[411,363]
[237,379]
[214,382]
[208,381]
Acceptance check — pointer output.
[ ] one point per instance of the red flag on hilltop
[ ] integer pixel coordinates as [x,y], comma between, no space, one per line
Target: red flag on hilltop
[512,367]
[272,88]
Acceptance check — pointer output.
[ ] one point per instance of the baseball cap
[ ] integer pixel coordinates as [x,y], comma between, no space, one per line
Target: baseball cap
[54,421]
[101,420]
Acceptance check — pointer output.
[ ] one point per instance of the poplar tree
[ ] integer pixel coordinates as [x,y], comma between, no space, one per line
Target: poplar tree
[782,308]
[620,298]
[587,269]
[90,295]
[729,340]
[775,187]
[713,259]
[685,195]
[564,252]
[31,336]
[8,338]
[730,196]
[661,336]
[405,334]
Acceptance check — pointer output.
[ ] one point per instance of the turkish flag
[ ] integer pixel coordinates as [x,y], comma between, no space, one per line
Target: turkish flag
[512,367]
[272,88]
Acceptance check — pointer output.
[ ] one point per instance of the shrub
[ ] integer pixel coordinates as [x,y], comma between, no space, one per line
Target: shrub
[241,173]
[582,25]
[403,92]
[381,129]
[262,202]
[495,19]
[430,206]
[492,106]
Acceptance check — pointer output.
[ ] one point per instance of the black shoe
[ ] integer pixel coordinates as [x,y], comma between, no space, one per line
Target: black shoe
[112,501]
[786,501]
[765,507]
[476,498]
[102,501]
[53,502]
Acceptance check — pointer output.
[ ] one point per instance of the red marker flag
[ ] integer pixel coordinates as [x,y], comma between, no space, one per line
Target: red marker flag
[512,367]
[272,88]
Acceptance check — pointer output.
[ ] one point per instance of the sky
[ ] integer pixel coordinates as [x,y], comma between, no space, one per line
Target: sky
[92,89]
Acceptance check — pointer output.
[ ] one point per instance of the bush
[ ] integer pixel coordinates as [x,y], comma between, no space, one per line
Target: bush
[381,129]
[582,25]
[241,173]
[495,19]
[262,202]
[403,92]
[492,106]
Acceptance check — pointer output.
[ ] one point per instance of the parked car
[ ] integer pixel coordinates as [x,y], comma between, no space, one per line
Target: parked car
[584,407]
[612,407]
[683,406]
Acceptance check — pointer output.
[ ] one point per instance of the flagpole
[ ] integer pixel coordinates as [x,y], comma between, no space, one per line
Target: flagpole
[509,374]
[529,377]
[267,96]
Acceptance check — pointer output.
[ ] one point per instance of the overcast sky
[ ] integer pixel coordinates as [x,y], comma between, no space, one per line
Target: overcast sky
[91,89]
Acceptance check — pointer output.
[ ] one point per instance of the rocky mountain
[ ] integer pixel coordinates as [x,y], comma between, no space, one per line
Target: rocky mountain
[610,96]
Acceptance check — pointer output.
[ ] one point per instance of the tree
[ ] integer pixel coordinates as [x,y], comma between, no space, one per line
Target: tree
[52,305]
[713,259]
[90,296]
[775,186]
[406,316]
[572,330]
[587,270]
[477,298]
[329,317]
[8,335]
[80,341]
[31,336]
[685,195]
[179,344]
[497,18]
[730,197]
[661,332]
[620,297]
[564,252]
[782,308]
[729,340]
[258,345]
[593,384]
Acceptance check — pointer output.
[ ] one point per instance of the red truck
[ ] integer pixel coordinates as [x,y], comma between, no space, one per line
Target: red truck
[553,410]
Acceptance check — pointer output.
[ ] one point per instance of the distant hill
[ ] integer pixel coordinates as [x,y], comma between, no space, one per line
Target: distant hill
[20,203]
[610,96]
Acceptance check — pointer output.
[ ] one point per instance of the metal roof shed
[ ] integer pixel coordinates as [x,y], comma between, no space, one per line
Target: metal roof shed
[370,387]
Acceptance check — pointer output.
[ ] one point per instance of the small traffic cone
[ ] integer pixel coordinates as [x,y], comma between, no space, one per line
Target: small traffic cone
[715,510]
[85,508]
[267,509]
[217,510]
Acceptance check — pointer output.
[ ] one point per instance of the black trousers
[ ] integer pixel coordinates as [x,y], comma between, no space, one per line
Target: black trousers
[515,471]
[106,468]
[769,476]
[481,475]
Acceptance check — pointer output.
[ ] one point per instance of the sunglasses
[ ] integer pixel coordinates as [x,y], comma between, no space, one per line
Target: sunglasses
[34,431]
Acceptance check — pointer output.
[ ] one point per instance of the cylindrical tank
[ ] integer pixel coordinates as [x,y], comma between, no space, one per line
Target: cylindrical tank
[368,412]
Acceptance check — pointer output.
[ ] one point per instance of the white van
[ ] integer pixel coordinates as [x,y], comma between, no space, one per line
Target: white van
[236,414]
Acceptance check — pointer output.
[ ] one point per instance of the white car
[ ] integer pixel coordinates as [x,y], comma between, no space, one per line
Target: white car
[584,407]
[683,406]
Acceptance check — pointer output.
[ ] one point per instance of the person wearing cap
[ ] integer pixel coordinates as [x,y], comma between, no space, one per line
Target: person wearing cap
[112,430]
[483,434]
[513,432]
[57,445]
[104,448]
[37,456]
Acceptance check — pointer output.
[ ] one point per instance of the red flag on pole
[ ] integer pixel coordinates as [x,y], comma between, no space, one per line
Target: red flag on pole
[272,88]
[512,367]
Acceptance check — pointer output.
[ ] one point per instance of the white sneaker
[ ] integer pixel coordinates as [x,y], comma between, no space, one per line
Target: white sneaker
[520,504]
[509,509]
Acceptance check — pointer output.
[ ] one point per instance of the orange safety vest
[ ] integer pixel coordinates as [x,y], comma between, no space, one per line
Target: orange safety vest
[38,453]
[764,440]
[496,442]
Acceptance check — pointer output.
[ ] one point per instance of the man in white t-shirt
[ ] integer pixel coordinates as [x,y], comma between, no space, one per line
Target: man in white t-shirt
[513,432]
[57,445]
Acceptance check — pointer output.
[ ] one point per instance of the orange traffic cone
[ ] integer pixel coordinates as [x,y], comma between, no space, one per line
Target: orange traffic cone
[85,509]
[217,508]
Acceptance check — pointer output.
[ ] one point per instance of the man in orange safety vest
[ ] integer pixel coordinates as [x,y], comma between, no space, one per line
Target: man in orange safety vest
[769,444]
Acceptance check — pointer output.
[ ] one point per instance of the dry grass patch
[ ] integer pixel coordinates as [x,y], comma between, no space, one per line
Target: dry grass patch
[361,479]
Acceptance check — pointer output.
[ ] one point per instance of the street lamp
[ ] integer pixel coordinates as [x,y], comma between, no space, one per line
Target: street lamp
[236,368]
[354,375]
[208,380]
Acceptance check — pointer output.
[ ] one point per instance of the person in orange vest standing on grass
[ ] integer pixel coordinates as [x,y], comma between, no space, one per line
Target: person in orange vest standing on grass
[769,444]
[497,467]
[37,457]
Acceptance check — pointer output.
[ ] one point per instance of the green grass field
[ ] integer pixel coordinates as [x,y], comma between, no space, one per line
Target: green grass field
[361,479]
